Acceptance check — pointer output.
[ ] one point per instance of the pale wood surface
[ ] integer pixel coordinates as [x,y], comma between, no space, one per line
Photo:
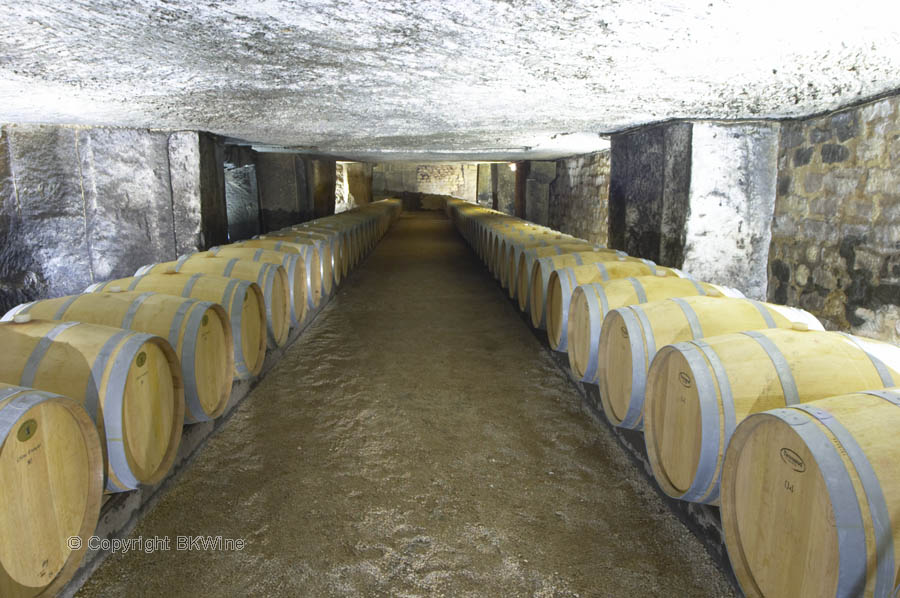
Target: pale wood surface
[51,485]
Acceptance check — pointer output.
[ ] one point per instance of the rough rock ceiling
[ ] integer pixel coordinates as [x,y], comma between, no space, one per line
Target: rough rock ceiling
[433,79]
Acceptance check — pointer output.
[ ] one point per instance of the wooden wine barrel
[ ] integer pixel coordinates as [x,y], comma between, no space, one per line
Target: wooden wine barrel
[342,244]
[329,262]
[129,382]
[539,281]
[511,247]
[521,260]
[51,486]
[810,495]
[293,267]
[698,391]
[563,281]
[591,302]
[242,300]
[311,264]
[199,331]
[631,335]
[337,241]
[271,279]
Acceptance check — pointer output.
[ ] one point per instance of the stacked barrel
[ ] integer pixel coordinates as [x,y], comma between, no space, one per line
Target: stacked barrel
[95,388]
[745,405]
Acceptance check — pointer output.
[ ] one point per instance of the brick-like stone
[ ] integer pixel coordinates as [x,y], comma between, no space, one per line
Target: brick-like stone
[832,152]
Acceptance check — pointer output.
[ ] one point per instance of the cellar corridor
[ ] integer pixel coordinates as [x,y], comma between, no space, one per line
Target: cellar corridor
[416,440]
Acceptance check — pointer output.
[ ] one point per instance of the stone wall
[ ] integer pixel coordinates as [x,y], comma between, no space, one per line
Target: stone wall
[406,179]
[835,247]
[579,197]
[84,204]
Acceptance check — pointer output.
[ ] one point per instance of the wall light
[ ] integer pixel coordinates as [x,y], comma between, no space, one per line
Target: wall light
[512,166]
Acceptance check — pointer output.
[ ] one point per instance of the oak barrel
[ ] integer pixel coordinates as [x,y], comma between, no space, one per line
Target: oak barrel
[51,486]
[563,282]
[242,300]
[293,267]
[311,264]
[325,247]
[698,391]
[539,280]
[271,279]
[631,335]
[199,331]
[591,302]
[810,497]
[129,382]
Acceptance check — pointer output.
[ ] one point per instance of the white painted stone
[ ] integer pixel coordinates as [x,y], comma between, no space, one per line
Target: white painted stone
[732,203]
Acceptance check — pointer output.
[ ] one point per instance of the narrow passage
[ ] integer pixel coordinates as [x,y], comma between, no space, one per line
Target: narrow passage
[417,440]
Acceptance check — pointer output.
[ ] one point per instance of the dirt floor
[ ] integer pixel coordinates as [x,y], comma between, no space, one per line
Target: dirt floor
[417,440]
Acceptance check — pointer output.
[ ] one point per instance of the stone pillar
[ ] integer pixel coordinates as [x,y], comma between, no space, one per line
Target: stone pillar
[242,201]
[359,183]
[84,204]
[283,193]
[731,204]
[495,184]
[537,191]
[213,210]
[521,184]
[484,185]
[648,191]
[321,178]
[506,189]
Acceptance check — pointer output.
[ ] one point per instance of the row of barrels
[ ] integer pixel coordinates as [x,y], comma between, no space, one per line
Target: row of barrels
[746,405]
[95,388]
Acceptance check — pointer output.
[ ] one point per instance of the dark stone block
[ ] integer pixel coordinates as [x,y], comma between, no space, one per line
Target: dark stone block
[784,185]
[832,153]
[242,202]
[213,211]
[820,134]
[802,156]
[846,125]
[283,193]
[792,135]
[886,294]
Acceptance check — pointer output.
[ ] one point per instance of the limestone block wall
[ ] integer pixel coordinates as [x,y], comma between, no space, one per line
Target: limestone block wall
[85,204]
[835,247]
[403,179]
[579,197]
